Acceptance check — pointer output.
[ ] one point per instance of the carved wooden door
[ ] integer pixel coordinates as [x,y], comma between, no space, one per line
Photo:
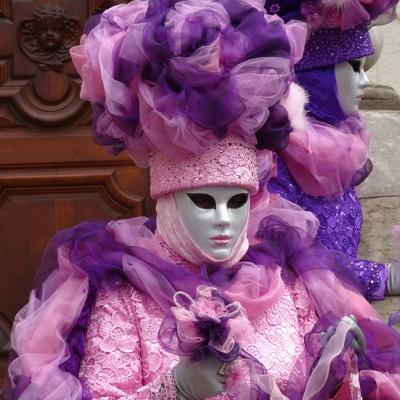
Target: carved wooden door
[51,174]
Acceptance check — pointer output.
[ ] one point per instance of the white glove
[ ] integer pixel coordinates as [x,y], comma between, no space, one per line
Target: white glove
[199,380]
[393,281]
[358,343]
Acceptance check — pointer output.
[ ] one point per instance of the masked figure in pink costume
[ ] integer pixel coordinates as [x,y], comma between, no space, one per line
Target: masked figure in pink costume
[327,154]
[228,297]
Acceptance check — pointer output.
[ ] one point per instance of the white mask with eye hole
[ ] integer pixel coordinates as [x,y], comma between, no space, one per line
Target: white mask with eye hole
[351,81]
[214,217]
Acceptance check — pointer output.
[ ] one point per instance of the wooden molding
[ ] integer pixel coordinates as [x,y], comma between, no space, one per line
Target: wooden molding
[5,336]
[38,84]
[5,8]
[96,6]
[62,180]
[26,148]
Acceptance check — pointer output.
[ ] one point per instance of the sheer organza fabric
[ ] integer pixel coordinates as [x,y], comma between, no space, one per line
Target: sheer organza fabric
[186,90]
[94,252]
[326,160]
[348,14]
[39,332]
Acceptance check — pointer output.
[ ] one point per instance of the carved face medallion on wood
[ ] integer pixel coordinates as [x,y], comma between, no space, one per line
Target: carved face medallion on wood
[47,37]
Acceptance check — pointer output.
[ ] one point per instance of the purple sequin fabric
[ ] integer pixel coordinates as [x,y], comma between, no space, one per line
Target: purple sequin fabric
[333,46]
[340,228]
[339,31]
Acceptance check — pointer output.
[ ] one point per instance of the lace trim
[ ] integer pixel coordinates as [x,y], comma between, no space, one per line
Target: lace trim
[164,387]
[175,257]
[231,162]
[280,332]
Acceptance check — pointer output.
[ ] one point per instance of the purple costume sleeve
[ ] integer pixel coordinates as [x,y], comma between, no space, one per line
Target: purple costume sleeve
[340,228]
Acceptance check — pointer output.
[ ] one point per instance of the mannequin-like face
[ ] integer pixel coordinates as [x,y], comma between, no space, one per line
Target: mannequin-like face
[351,82]
[214,217]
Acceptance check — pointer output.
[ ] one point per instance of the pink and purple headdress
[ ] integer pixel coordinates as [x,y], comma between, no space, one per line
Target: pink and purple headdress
[338,32]
[319,157]
[338,29]
[171,79]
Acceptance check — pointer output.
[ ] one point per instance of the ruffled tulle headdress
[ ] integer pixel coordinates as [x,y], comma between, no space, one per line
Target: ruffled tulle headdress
[329,153]
[338,29]
[176,77]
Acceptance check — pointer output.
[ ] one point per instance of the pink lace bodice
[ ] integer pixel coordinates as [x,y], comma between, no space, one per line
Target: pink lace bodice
[124,361]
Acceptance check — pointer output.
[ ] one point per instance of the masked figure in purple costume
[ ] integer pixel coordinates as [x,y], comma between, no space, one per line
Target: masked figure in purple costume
[228,297]
[327,154]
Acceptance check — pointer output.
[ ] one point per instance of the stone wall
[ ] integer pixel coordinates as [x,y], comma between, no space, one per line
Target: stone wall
[384,180]
[380,193]
[387,71]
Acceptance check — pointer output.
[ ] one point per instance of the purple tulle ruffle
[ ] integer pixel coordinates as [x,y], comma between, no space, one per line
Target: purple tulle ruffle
[284,245]
[94,248]
[174,76]
[362,174]
[274,134]
[339,14]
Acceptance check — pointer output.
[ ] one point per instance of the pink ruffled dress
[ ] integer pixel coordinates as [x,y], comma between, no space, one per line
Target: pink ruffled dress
[122,354]
[123,358]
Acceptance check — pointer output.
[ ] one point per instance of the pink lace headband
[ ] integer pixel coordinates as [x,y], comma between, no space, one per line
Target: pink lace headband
[230,162]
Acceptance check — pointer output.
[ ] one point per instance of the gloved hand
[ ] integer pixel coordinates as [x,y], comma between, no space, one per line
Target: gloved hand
[199,380]
[358,343]
[393,281]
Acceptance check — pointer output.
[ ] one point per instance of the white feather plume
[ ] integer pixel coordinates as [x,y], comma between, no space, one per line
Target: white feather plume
[294,102]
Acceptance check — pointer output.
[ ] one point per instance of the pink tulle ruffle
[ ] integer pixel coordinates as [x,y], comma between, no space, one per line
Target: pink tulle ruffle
[162,126]
[41,328]
[323,159]
[40,331]
[346,14]
[265,204]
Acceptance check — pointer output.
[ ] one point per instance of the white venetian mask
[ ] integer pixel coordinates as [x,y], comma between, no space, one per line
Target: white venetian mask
[351,81]
[214,217]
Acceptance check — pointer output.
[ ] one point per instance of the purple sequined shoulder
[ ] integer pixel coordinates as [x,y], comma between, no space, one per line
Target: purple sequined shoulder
[340,226]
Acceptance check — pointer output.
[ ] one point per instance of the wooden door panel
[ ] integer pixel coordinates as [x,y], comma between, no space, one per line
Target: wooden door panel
[27,222]
[36,202]
[52,175]
[38,80]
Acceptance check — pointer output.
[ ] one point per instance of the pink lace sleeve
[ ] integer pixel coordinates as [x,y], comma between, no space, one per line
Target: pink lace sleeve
[115,365]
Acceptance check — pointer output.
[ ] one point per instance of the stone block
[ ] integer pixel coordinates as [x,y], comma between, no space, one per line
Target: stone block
[380,97]
[384,180]
[388,306]
[380,214]
[380,196]
[386,70]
